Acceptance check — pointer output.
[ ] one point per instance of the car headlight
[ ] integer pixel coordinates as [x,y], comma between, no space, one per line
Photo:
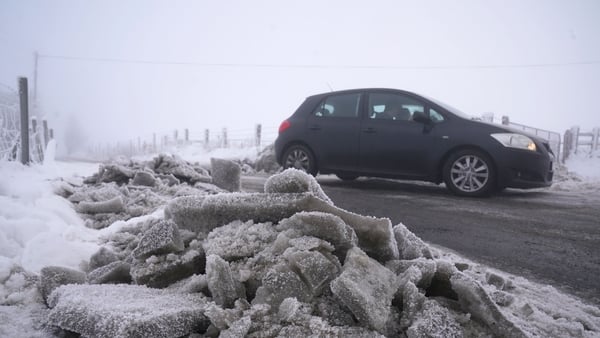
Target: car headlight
[515,141]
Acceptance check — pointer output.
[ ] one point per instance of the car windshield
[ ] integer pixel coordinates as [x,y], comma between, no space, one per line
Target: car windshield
[450,108]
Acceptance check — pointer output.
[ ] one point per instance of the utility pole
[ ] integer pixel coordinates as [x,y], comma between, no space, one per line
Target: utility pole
[35,77]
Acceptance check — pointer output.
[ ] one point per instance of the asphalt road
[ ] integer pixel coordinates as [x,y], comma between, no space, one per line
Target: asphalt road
[551,237]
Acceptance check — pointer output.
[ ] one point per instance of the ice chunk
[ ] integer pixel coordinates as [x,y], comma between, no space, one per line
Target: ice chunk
[52,277]
[366,288]
[223,286]
[322,225]
[114,173]
[239,239]
[102,257]
[427,318]
[114,205]
[409,245]
[314,268]
[144,178]
[163,237]
[475,300]
[226,174]
[280,283]
[295,181]
[426,267]
[165,164]
[168,269]
[126,311]
[115,272]
[202,214]
[239,328]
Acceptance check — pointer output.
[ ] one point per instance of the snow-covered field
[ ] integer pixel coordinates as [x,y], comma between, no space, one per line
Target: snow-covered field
[39,228]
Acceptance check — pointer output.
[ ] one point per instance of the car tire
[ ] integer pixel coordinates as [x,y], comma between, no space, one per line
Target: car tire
[469,173]
[300,157]
[346,177]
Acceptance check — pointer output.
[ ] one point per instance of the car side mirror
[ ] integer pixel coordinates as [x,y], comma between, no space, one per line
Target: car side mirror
[420,117]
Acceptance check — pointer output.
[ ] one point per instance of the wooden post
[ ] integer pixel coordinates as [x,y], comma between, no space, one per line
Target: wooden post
[175,137]
[574,139]
[505,120]
[187,135]
[225,143]
[46,137]
[595,141]
[24,105]
[206,138]
[51,134]
[566,145]
[154,142]
[258,134]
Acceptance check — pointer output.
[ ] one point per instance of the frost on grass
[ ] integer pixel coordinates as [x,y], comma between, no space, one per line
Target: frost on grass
[141,312]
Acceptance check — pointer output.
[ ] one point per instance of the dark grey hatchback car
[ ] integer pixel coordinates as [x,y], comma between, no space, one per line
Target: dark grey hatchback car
[398,134]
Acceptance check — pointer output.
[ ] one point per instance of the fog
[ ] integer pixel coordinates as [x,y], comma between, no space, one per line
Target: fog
[118,70]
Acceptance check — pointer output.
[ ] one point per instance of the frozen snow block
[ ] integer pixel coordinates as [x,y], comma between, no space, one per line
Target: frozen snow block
[314,268]
[164,273]
[295,181]
[164,164]
[114,173]
[223,286]
[322,225]
[279,283]
[52,277]
[144,178]
[474,299]
[102,257]
[239,239]
[366,288]
[115,272]
[423,317]
[238,329]
[114,205]
[426,267]
[169,179]
[119,311]
[202,214]
[409,245]
[226,174]
[163,237]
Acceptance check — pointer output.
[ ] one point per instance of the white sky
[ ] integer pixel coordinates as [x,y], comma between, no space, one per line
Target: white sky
[537,62]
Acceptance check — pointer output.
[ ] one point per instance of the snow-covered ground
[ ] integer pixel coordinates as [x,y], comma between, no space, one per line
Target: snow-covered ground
[38,228]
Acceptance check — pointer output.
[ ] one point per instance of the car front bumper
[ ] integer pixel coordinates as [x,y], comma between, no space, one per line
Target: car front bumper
[525,169]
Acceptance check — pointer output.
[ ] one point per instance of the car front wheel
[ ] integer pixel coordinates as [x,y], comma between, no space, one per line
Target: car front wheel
[469,173]
[301,158]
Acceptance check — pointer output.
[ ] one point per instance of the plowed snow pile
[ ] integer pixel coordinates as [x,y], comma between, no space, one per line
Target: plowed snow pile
[284,263]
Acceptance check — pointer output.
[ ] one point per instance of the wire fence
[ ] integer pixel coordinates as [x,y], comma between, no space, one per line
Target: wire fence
[10,129]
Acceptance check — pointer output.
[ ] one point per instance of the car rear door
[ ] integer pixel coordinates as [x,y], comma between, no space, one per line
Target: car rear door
[391,143]
[333,130]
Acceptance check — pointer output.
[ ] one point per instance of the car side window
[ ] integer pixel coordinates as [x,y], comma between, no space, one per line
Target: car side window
[345,105]
[435,116]
[389,106]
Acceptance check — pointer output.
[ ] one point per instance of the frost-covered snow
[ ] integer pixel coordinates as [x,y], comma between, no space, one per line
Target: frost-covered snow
[39,228]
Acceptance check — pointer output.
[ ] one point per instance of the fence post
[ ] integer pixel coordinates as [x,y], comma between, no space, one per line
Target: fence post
[595,141]
[206,138]
[46,139]
[258,134]
[225,143]
[187,135]
[176,137]
[24,105]
[51,133]
[505,120]
[574,139]
[566,145]
[154,149]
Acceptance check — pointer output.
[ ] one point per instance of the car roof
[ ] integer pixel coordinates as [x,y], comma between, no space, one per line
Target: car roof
[350,91]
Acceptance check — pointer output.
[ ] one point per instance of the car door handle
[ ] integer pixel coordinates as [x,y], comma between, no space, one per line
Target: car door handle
[369,130]
[314,127]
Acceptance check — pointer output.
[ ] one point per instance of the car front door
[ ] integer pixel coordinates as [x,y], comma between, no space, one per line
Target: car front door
[391,143]
[333,131]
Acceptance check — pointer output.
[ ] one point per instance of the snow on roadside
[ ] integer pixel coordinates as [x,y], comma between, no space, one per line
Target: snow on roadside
[39,228]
